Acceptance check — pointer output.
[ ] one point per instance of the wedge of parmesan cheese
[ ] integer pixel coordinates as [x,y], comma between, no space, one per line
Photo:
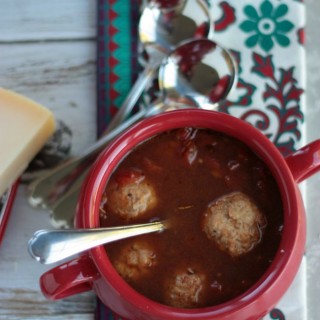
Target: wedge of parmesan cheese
[25,126]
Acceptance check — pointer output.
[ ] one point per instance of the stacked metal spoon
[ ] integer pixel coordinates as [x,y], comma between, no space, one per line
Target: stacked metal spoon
[181,67]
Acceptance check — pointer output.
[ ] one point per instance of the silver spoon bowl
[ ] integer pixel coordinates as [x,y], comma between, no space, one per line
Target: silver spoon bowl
[199,73]
[162,27]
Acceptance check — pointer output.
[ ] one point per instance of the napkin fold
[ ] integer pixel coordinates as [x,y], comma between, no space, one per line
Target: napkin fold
[267,39]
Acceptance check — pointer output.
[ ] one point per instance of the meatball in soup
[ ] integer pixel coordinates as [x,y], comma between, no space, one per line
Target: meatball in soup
[223,209]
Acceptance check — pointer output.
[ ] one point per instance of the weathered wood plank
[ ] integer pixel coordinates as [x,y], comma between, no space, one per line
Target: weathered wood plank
[61,76]
[38,60]
[29,303]
[20,294]
[31,20]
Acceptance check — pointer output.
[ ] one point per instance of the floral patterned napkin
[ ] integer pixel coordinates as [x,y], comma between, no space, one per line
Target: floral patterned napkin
[267,39]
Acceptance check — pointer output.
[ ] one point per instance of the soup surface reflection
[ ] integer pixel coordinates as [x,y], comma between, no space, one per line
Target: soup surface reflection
[224,211]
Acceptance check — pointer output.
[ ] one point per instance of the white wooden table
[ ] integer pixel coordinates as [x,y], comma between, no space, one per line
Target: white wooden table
[48,53]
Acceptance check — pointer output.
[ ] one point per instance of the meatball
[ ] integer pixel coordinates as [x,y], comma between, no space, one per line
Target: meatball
[235,223]
[185,289]
[135,260]
[130,195]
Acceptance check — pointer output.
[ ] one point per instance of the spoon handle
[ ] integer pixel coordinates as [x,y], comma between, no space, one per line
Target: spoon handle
[62,211]
[50,246]
[144,78]
[47,188]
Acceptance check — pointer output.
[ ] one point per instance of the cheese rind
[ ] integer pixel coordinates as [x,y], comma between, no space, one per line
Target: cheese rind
[25,126]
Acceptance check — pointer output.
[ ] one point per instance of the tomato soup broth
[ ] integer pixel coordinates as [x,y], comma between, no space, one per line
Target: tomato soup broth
[224,213]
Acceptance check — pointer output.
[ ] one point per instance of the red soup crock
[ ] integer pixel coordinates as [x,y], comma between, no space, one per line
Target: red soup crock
[93,270]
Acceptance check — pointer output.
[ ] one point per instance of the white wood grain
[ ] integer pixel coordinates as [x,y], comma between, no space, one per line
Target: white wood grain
[312,184]
[62,76]
[59,75]
[20,295]
[29,304]
[29,20]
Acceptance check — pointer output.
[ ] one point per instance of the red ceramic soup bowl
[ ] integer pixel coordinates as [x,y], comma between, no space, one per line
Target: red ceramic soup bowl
[93,270]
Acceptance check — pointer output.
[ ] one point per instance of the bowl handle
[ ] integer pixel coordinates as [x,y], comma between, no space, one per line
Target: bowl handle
[305,162]
[73,277]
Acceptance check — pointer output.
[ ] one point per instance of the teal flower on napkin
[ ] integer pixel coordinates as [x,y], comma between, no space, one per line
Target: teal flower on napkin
[268,27]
